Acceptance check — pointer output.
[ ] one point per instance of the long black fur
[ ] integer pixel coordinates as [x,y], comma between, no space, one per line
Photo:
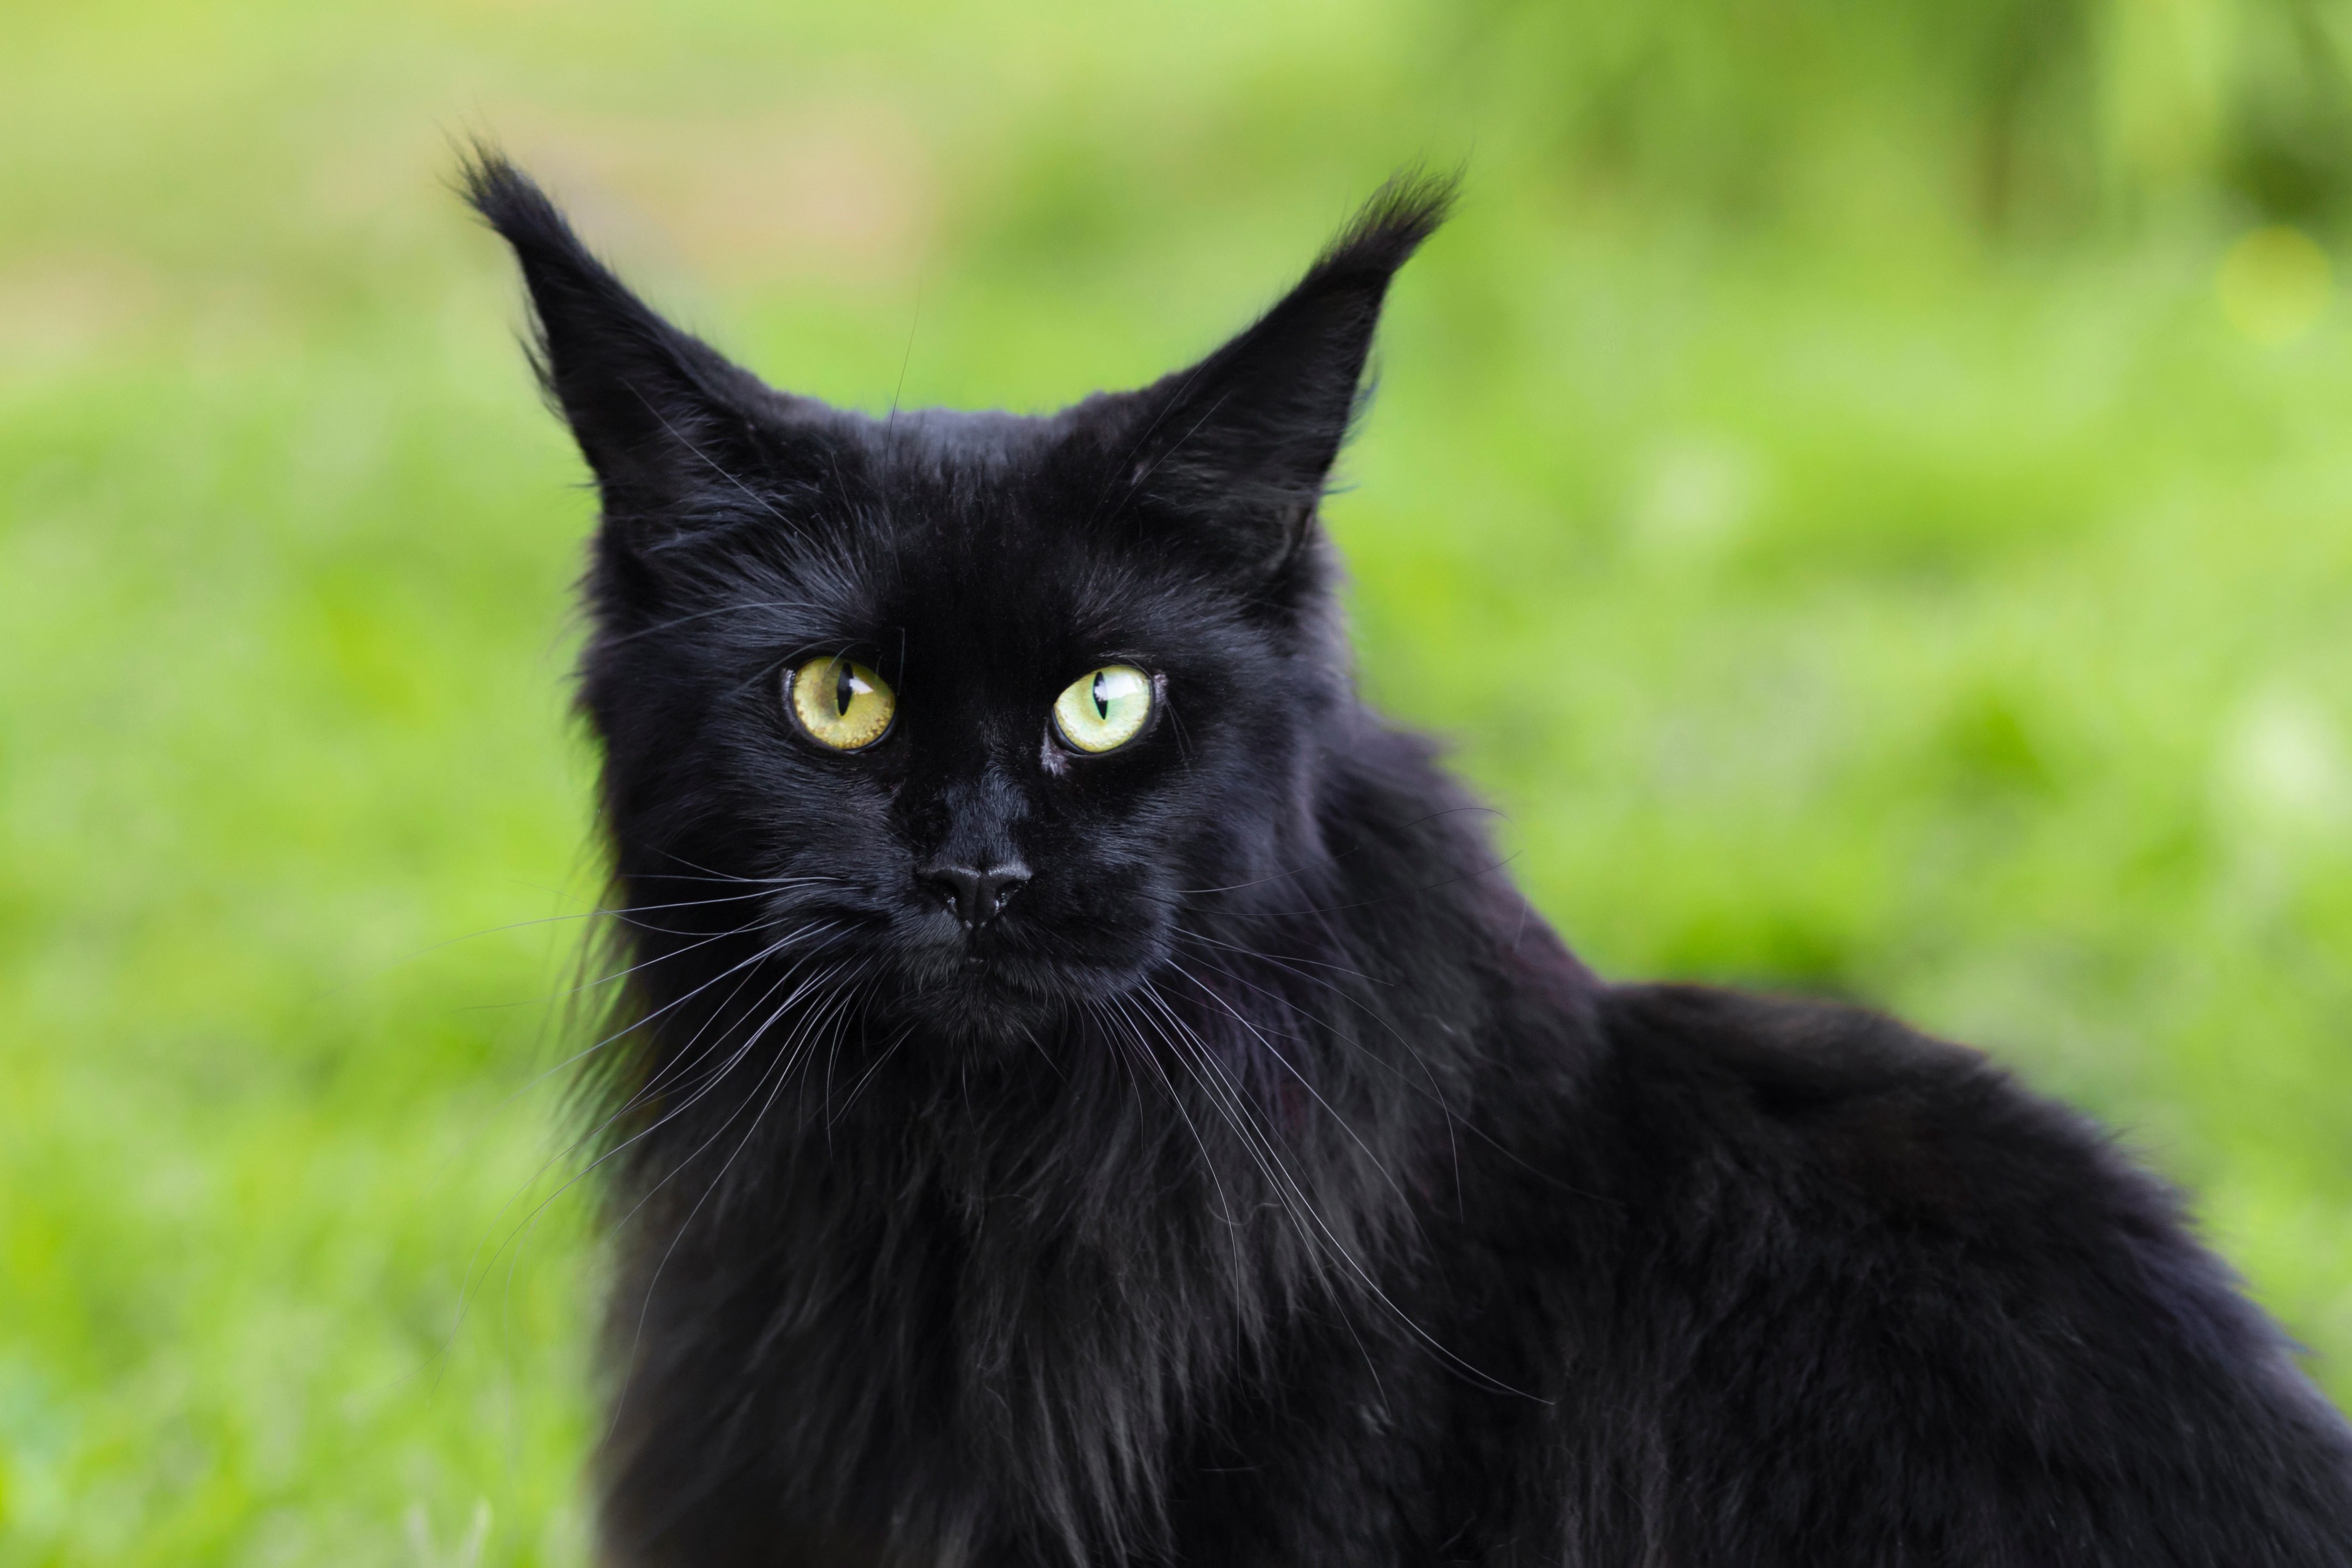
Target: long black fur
[1266,1184]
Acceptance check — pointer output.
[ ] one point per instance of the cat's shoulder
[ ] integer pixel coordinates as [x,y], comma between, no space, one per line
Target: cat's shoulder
[1872,1262]
[1813,1173]
[1852,1115]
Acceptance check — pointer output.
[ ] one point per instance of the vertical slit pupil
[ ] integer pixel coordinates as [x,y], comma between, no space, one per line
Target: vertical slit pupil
[1102,703]
[844,690]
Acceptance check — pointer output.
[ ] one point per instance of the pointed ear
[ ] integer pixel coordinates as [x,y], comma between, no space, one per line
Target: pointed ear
[659,414]
[1238,448]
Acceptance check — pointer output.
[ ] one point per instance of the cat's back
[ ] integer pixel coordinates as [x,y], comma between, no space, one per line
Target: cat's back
[1847,1121]
[1868,1293]
[1833,1153]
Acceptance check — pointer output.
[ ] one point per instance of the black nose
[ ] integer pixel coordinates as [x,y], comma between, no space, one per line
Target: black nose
[975,895]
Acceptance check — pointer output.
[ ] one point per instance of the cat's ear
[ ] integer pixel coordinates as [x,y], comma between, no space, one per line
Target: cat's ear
[1237,449]
[661,417]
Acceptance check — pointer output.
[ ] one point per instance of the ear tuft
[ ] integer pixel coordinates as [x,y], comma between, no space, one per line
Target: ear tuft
[657,411]
[1388,227]
[511,202]
[1235,452]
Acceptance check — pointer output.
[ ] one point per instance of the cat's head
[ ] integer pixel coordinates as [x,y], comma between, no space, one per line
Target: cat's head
[979,705]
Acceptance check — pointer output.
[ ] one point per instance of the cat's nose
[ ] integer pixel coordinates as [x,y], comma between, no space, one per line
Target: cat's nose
[975,895]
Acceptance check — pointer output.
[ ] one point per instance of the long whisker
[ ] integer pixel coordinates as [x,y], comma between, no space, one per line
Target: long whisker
[621,912]
[570,993]
[905,1033]
[1232,1108]
[711,1080]
[639,1022]
[522,1235]
[682,439]
[711,874]
[1296,1201]
[1333,859]
[1435,1093]
[781,1070]
[1287,1066]
[531,1224]
[1157,463]
[1208,1162]
[1454,1123]
[677,621]
[1305,1204]
[1142,440]
[1131,1043]
[783,1058]
[1472,873]
[1290,964]
[1337,1249]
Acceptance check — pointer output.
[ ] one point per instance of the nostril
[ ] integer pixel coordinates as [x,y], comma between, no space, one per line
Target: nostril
[973,894]
[954,886]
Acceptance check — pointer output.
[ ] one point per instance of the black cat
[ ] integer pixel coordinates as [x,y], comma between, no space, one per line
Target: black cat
[1088,1096]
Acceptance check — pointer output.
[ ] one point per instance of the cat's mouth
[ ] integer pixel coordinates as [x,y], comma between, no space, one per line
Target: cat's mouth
[993,987]
[1035,961]
[981,996]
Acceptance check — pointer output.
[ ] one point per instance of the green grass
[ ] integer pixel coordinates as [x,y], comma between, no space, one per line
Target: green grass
[1838,583]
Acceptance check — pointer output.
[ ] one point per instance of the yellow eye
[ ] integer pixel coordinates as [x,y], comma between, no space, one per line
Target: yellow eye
[841,704]
[1104,708]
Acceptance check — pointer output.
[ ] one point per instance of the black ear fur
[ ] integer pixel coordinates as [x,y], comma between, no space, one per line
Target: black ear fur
[658,413]
[1239,447]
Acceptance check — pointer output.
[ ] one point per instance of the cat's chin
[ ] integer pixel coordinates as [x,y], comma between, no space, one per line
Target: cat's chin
[982,1005]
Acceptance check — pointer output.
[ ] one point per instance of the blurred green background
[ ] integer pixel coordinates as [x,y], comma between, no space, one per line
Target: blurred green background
[1865,484]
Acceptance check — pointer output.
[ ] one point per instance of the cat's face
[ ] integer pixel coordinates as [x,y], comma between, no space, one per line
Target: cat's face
[948,712]
[978,705]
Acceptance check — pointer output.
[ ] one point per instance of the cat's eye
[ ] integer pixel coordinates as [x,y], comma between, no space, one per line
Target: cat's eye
[840,703]
[1104,708]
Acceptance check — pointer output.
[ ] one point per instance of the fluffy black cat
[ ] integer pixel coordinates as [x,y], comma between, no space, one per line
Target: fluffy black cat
[1088,1096]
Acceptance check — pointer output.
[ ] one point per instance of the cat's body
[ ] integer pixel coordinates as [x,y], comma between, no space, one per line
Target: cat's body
[1191,1149]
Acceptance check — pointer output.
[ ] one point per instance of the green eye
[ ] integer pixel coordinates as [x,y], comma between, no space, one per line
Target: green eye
[840,703]
[1104,708]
